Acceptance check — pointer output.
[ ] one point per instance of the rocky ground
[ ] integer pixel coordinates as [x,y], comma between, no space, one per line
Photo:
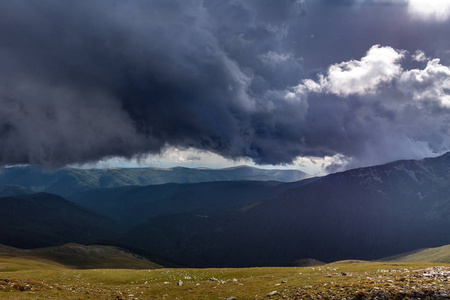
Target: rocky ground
[428,283]
[345,280]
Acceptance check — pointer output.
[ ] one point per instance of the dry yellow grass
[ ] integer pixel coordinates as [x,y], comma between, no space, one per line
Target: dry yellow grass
[438,255]
[22,278]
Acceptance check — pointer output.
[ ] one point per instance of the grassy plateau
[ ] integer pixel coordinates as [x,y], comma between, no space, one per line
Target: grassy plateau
[24,277]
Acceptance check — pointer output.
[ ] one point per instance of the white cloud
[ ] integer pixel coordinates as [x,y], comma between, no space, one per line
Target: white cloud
[272,58]
[430,9]
[380,66]
[358,77]
[431,83]
[193,158]
[406,115]
[170,157]
[420,56]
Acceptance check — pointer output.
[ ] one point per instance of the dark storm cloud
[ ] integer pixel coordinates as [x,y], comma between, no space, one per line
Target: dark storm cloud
[85,80]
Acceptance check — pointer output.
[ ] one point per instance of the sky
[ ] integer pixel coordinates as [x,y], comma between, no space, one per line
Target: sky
[316,85]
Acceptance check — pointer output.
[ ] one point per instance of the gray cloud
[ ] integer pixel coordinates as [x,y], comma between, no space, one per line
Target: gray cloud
[85,80]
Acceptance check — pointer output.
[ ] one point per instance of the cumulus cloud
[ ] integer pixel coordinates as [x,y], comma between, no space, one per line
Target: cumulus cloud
[359,77]
[430,84]
[419,56]
[385,107]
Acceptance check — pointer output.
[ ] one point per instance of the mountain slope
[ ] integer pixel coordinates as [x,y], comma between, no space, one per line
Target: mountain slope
[40,220]
[132,205]
[365,213]
[9,190]
[435,255]
[83,257]
[69,181]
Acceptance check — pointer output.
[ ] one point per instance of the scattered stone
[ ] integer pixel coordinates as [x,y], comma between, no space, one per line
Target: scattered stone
[343,274]
[180,282]
[231,298]
[283,281]
[214,279]
[272,294]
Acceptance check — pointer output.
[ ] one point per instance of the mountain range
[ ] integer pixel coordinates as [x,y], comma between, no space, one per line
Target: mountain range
[366,213]
[132,205]
[69,181]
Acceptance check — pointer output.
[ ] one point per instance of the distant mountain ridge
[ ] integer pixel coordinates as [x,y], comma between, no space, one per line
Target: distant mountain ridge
[69,181]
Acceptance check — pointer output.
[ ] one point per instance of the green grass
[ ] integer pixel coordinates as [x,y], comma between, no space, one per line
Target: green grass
[22,278]
[82,257]
[438,255]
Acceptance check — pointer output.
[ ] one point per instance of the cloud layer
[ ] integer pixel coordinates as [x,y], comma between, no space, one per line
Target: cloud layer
[403,111]
[83,81]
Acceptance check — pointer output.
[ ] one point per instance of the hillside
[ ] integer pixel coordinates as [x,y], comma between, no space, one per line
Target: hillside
[9,190]
[40,220]
[132,205]
[436,255]
[366,213]
[69,181]
[82,257]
